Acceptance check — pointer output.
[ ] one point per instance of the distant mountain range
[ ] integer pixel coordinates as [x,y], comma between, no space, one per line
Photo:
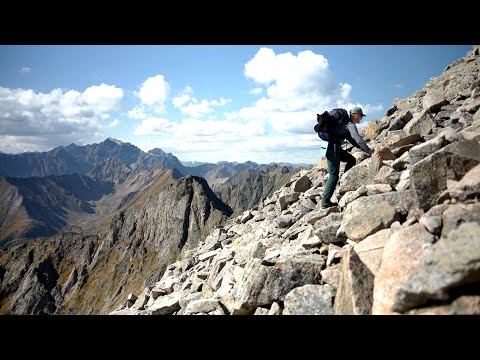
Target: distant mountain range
[81,188]
[193,163]
[64,160]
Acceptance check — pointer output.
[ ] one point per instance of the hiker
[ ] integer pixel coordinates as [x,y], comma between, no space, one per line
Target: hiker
[347,130]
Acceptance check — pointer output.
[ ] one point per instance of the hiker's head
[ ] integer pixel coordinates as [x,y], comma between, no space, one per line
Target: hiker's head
[357,114]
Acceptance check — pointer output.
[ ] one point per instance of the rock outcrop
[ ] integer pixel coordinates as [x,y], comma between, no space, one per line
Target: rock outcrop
[86,274]
[245,189]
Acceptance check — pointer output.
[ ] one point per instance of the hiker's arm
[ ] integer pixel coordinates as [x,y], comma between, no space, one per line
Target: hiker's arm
[357,140]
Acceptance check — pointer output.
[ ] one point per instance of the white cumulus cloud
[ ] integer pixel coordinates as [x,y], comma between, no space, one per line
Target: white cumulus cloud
[138,113]
[48,119]
[197,108]
[180,100]
[154,92]
[155,126]
[297,87]
[194,130]
[193,107]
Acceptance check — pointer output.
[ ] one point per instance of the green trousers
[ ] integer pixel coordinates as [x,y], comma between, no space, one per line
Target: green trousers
[334,157]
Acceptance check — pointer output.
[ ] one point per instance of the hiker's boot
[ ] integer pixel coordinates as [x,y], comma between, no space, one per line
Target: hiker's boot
[328,205]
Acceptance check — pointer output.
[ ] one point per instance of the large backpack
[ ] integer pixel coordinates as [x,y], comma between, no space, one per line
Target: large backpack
[329,122]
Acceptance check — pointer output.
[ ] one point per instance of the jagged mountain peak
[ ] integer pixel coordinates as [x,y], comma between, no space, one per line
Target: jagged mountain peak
[158,152]
[162,154]
[116,141]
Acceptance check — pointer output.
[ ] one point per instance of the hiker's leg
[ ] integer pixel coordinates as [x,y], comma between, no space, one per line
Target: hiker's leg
[350,160]
[333,163]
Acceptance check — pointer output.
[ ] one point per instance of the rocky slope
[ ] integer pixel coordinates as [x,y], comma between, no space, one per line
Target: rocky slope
[88,274]
[403,240]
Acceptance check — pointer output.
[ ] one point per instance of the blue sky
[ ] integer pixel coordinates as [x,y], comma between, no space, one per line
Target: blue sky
[205,102]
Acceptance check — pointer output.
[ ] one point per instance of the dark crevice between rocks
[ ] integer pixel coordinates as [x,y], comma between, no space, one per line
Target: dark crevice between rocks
[465,290]
[224,308]
[186,220]
[268,262]
[2,273]
[47,275]
[423,301]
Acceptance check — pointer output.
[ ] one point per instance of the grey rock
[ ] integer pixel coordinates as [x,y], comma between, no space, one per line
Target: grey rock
[309,300]
[317,215]
[261,311]
[189,298]
[434,99]
[355,286]
[403,250]
[247,215]
[367,215]
[468,187]
[313,193]
[165,305]
[331,274]
[399,151]
[208,255]
[421,124]
[285,221]
[275,309]
[455,214]
[262,285]
[400,120]
[432,223]
[302,184]
[34,294]
[470,105]
[451,262]
[423,150]
[400,138]
[429,176]
[357,176]
[201,306]
[387,175]
[370,250]
[326,228]
[254,250]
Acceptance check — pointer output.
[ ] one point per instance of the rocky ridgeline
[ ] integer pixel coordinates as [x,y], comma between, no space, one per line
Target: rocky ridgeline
[403,240]
[89,274]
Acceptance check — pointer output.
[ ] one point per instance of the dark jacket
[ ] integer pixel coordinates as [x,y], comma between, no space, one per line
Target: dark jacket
[348,131]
